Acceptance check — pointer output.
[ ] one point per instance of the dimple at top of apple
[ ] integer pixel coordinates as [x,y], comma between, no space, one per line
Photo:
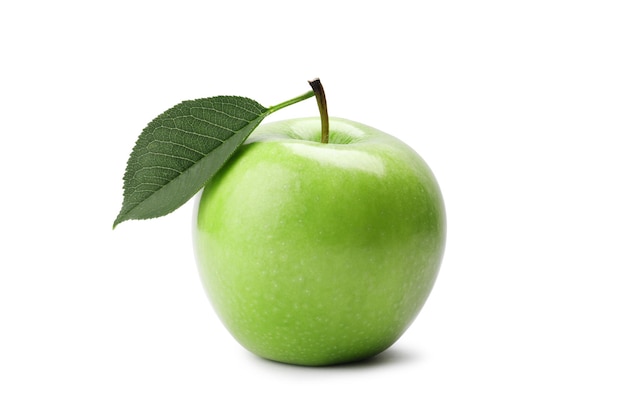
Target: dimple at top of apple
[351,145]
[342,132]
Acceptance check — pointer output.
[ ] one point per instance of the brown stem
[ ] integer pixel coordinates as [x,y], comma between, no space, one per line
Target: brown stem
[316,85]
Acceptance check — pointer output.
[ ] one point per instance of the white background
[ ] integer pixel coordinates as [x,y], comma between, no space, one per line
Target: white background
[519,107]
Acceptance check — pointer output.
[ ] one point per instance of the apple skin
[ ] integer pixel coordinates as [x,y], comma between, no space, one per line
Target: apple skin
[318,254]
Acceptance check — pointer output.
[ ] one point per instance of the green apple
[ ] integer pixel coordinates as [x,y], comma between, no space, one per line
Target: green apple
[319,253]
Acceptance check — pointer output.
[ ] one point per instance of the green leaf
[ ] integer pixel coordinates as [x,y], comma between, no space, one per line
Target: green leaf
[180,150]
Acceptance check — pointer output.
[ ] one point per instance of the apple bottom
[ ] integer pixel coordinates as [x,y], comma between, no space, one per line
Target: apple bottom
[334,312]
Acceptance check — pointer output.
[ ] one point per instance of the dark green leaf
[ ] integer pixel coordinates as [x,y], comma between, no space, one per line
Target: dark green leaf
[180,150]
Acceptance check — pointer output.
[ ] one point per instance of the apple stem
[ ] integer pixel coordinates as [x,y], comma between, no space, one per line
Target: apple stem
[287,103]
[316,85]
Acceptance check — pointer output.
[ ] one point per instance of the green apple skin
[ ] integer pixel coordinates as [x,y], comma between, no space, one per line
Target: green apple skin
[318,254]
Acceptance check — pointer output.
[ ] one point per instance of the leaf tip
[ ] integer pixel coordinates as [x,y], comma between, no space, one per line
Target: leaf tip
[117,221]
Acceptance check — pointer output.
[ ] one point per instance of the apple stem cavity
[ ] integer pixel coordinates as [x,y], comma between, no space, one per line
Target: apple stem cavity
[316,85]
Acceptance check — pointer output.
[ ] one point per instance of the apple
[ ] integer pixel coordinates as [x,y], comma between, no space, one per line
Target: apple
[318,253]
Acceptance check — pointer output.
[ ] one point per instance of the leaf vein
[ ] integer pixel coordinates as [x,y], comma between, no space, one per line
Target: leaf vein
[229,115]
[157,167]
[170,156]
[188,132]
[180,145]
